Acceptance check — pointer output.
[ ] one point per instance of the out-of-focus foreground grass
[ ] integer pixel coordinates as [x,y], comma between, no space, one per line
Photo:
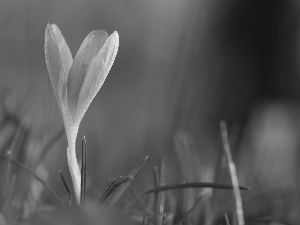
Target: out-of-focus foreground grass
[182,66]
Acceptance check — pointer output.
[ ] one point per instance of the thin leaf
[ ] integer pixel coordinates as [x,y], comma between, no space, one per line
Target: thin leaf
[83,172]
[113,187]
[66,185]
[116,188]
[232,171]
[137,168]
[171,187]
[193,185]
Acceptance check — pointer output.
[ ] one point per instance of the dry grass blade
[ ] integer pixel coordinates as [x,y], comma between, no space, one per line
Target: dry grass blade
[232,171]
[83,172]
[118,186]
[67,187]
[51,191]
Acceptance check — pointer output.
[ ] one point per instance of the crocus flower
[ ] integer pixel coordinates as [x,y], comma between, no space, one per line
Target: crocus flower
[76,83]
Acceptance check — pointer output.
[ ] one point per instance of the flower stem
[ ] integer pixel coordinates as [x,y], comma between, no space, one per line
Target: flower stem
[74,169]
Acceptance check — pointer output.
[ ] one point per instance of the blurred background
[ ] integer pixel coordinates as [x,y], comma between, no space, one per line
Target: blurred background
[182,66]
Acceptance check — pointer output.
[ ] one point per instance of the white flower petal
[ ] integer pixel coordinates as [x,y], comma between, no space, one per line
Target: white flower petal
[88,49]
[64,49]
[97,73]
[54,63]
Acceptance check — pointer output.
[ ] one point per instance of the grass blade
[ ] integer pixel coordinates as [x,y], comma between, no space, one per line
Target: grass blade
[193,185]
[113,187]
[67,187]
[116,188]
[233,175]
[83,172]
[171,187]
[137,168]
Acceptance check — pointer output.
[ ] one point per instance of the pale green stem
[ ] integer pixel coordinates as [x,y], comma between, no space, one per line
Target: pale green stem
[74,167]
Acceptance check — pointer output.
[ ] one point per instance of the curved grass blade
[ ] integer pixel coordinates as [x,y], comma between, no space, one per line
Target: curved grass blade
[118,186]
[171,187]
[193,185]
[51,191]
[66,185]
